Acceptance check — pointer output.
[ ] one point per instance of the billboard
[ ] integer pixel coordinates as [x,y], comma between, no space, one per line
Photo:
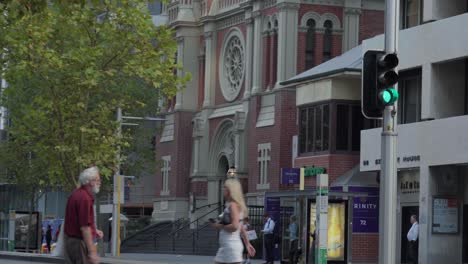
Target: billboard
[336,229]
[26,223]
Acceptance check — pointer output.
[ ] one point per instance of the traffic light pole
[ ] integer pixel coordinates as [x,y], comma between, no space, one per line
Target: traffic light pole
[388,179]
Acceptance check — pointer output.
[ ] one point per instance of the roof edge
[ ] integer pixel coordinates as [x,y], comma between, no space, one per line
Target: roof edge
[320,75]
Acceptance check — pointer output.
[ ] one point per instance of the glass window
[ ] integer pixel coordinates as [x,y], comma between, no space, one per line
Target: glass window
[409,104]
[357,126]
[155,7]
[342,127]
[326,126]
[349,123]
[327,40]
[411,11]
[314,129]
[310,130]
[303,130]
[310,44]
[318,128]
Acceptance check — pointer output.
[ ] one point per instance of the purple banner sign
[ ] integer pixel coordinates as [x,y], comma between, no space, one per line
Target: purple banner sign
[365,214]
[290,175]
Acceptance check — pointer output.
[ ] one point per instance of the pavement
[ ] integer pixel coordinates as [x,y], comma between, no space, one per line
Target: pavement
[19,257]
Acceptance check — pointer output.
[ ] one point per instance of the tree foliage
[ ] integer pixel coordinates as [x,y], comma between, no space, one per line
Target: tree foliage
[69,65]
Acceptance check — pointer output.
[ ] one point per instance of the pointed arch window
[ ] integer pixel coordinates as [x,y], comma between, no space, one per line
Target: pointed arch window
[310,44]
[327,40]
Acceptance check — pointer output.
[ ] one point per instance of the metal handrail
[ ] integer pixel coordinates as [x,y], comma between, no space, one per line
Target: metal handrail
[172,224]
[207,205]
[194,221]
[194,233]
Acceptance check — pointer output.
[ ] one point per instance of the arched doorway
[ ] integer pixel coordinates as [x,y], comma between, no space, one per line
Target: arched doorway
[221,157]
[223,167]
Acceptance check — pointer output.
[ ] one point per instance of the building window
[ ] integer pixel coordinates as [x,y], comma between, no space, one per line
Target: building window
[466,83]
[165,170]
[155,7]
[263,160]
[349,123]
[409,104]
[411,13]
[310,44]
[327,40]
[314,129]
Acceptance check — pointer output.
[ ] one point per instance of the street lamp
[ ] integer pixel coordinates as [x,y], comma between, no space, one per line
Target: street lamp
[117,182]
[231,173]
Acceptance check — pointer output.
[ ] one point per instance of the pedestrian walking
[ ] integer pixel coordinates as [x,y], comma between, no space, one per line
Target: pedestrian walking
[268,238]
[413,240]
[80,229]
[48,237]
[293,240]
[245,253]
[230,225]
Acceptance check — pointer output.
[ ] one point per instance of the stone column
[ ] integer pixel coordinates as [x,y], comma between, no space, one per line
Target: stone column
[352,11]
[287,41]
[249,44]
[425,212]
[266,60]
[196,154]
[273,58]
[210,68]
[180,72]
[257,53]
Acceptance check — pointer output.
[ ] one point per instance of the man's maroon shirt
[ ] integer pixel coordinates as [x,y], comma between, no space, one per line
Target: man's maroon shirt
[79,213]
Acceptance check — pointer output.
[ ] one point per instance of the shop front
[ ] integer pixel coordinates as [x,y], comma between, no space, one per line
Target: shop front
[352,217]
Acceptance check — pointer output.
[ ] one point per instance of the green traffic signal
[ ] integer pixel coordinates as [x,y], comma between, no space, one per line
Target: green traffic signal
[388,96]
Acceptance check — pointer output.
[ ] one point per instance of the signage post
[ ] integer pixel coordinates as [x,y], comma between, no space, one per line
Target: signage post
[11,231]
[322,219]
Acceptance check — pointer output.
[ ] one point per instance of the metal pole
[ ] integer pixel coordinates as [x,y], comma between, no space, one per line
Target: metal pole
[388,179]
[115,201]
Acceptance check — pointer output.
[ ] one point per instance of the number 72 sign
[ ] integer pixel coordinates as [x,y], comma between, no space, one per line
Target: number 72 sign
[366,214]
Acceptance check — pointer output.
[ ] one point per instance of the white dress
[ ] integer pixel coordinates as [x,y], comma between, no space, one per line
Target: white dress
[230,244]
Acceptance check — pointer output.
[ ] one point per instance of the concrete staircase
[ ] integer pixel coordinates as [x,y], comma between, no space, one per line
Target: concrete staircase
[173,238]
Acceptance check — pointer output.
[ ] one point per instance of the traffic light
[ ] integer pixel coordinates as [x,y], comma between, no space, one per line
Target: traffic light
[378,79]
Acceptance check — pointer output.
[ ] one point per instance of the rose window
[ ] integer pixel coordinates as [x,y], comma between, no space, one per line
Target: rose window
[232,67]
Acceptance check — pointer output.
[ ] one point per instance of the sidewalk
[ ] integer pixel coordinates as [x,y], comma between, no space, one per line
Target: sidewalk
[124,258]
[177,259]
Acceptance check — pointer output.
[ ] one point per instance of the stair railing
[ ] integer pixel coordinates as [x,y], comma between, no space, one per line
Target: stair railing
[194,232]
[171,225]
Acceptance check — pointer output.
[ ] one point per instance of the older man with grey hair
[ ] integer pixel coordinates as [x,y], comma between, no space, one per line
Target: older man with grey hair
[80,229]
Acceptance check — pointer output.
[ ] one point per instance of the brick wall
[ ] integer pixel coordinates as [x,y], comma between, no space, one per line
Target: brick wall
[279,135]
[371,23]
[365,248]
[270,11]
[183,138]
[336,165]
[199,188]
[180,150]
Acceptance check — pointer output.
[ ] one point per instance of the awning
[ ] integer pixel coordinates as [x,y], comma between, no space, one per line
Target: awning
[357,181]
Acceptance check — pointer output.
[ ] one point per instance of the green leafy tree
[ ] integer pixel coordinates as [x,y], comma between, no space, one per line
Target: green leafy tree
[69,65]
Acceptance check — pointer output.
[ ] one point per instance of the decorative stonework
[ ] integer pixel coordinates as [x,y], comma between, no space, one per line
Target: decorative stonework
[231,21]
[327,2]
[232,65]
[269,3]
[239,121]
[352,11]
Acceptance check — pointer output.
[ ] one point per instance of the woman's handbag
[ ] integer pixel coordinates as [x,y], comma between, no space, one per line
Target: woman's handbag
[226,218]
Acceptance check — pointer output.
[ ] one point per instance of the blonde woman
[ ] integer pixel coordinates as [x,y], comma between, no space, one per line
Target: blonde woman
[230,244]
